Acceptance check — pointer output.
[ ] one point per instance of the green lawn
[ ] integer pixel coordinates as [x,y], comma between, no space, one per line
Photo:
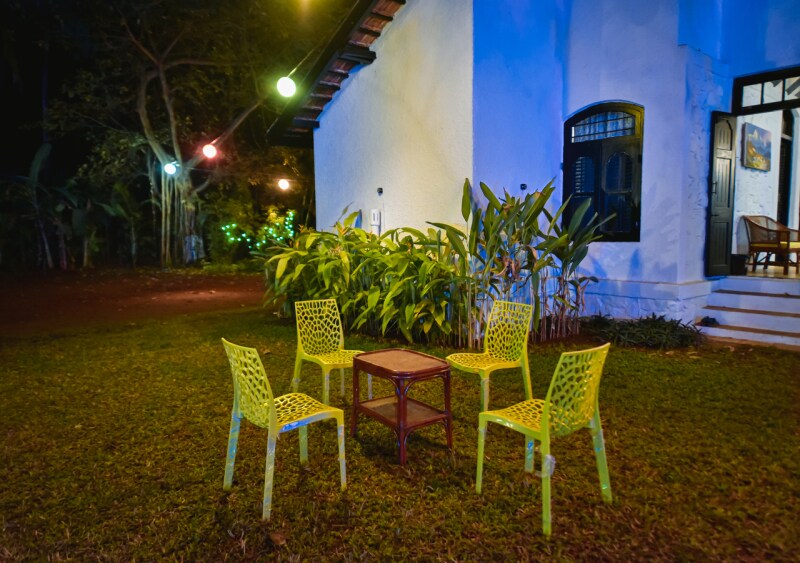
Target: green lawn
[113,447]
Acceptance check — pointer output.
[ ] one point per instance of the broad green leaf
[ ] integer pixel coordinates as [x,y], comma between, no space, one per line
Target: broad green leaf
[466,200]
[374,295]
[577,217]
[493,201]
[281,267]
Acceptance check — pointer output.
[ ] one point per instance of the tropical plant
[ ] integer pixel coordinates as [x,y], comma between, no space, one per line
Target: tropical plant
[435,286]
[45,207]
[316,265]
[501,254]
[561,286]
[124,207]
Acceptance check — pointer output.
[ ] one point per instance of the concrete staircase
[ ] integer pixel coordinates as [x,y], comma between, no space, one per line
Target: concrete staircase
[764,310]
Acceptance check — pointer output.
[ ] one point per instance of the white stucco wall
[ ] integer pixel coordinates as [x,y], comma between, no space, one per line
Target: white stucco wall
[518,92]
[756,191]
[403,123]
[417,121]
[677,59]
[614,44]
[707,90]
[629,50]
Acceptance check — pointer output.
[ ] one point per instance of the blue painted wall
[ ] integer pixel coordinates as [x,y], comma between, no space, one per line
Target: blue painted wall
[762,35]
[518,92]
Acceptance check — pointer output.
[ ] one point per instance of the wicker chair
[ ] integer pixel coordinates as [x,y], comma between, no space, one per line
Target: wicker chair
[767,236]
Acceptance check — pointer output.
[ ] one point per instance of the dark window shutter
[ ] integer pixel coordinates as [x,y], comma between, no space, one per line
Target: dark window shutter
[602,163]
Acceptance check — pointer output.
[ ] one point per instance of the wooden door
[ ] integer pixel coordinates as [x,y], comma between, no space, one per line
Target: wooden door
[785,167]
[719,234]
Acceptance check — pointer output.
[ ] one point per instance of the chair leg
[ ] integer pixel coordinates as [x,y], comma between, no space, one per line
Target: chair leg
[298,366]
[269,472]
[600,457]
[530,446]
[233,440]
[304,444]
[340,439]
[546,474]
[484,392]
[341,382]
[526,376]
[326,386]
[481,441]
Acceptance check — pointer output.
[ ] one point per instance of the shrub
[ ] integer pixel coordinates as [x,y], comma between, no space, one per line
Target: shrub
[648,332]
[438,286]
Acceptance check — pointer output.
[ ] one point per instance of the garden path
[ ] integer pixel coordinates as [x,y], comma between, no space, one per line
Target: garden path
[33,304]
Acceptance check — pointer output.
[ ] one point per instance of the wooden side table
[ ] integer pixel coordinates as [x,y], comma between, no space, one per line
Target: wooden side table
[402,368]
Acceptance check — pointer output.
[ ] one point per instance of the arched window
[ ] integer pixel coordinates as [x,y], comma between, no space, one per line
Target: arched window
[603,163]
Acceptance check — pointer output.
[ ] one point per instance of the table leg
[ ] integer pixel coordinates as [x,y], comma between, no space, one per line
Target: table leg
[448,422]
[354,421]
[401,389]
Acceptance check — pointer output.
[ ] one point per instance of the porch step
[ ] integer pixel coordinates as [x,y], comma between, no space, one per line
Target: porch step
[779,286]
[753,335]
[753,318]
[772,302]
[760,310]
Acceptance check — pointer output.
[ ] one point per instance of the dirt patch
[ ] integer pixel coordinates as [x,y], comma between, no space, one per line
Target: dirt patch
[31,303]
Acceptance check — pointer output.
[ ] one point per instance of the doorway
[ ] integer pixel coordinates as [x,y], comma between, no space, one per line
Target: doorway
[753,166]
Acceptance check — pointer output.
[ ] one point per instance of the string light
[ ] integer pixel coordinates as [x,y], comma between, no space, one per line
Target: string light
[209,151]
[277,230]
[286,87]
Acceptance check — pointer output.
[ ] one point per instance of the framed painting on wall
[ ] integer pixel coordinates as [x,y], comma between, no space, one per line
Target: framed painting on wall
[757,147]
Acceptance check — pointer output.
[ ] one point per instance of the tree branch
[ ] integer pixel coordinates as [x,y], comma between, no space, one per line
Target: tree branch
[144,117]
[194,62]
[172,45]
[173,122]
[144,50]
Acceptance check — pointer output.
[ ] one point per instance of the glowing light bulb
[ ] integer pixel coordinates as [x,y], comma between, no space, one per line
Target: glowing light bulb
[283,184]
[170,168]
[209,151]
[286,87]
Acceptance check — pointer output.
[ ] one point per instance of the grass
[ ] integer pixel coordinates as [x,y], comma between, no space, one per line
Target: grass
[113,445]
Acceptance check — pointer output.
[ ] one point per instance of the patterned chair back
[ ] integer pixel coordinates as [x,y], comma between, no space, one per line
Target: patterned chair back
[573,395]
[319,326]
[507,330]
[252,397]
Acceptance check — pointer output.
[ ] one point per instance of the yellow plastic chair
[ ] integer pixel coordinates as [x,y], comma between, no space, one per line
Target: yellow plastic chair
[571,404]
[253,400]
[505,346]
[320,340]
